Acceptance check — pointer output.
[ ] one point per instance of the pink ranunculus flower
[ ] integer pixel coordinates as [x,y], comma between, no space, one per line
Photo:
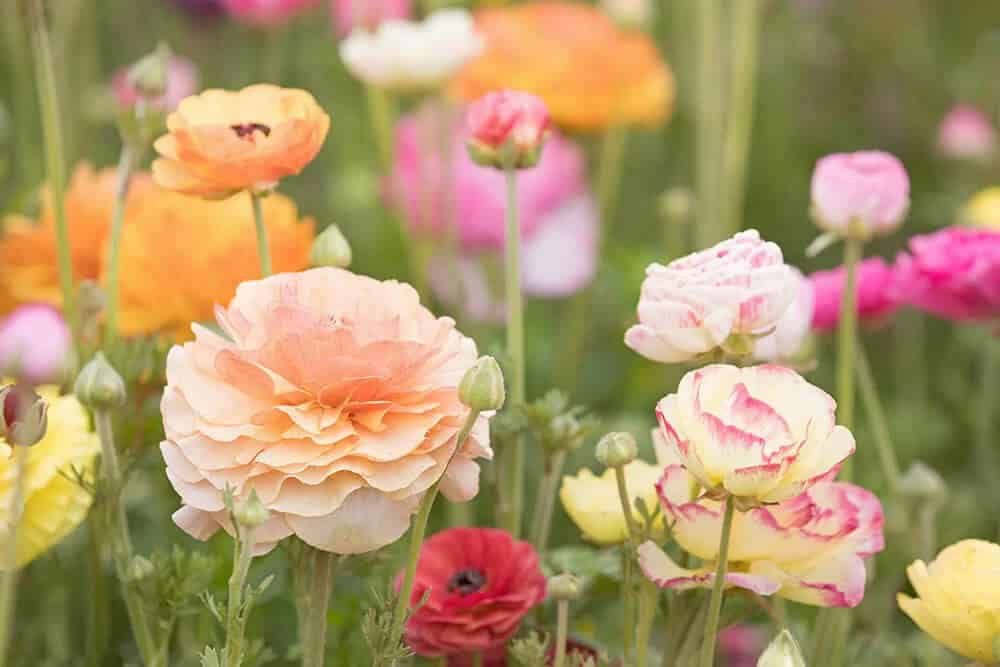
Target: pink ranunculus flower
[953,273]
[741,644]
[267,12]
[791,332]
[693,306]
[861,194]
[35,345]
[334,396]
[366,14]
[966,133]
[877,294]
[762,434]
[182,81]
[507,128]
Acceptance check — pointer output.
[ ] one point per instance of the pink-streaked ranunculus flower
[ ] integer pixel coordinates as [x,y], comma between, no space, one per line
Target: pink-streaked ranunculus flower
[741,644]
[877,294]
[506,129]
[366,14]
[35,345]
[809,548]
[966,133]
[479,583]
[862,194]
[762,433]
[791,332]
[334,396]
[182,81]
[693,306]
[953,273]
[267,12]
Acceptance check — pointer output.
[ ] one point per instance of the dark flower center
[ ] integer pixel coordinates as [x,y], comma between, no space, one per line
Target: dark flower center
[247,129]
[465,582]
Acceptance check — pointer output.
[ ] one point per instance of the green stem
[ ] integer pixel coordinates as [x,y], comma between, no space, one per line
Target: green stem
[985,456]
[609,175]
[648,595]
[126,164]
[709,127]
[100,609]
[562,631]
[318,589]
[8,584]
[623,497]
[847,336]
[628,553]
[545,501]
[718,586]
[263,250]
[55,161]
[382,113]
[880,426]
[235,613]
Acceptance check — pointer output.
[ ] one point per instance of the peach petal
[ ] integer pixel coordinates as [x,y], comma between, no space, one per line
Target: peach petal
[364,522]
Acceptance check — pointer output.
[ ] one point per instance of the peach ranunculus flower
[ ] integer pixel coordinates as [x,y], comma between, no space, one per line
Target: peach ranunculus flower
[762,434]
[334,396]
[589,72]
[220,142]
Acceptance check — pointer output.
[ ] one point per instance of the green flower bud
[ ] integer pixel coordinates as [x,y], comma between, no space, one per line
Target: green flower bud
[331,249]
[564,587]
[921,482]
[251,512]
[783,651]
[617,449]
[482,386]
[24,416]
[149,75]
[99,385]
[677,205]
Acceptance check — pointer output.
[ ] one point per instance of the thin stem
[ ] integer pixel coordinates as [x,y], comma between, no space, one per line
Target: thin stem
[628,554]
[648,595]
[546,500]
[100,609]
[318,589]
[876,415]
[126,163]
[718,585]
[562,631]
[382,113]
[263,250]
[709,127]
[985,456]
[847,341]
[55,161]
[235,613]
[8,585]
[633,530]
[609,175]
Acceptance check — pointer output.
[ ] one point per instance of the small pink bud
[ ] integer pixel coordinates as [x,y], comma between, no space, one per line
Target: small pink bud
[366,14]
[181,81]
[966,133]
[35,345]
[506,129]
[860,195]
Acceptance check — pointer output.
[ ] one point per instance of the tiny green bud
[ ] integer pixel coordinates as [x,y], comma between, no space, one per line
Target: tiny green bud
[149,75]
[617,449]
[24,416]
[783,651]
[482,386]
[99,385]
[251,512]
[565,432]
[564,587]
[677,205]
[331,249]
[921,482]
[139,568]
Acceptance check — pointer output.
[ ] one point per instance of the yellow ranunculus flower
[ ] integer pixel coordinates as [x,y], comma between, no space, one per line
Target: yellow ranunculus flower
[983,209]
[593,504]
[54,504]
[958,600]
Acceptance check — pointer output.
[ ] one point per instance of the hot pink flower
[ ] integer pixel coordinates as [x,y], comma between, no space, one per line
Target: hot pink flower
[877,296]
[865,193]
[366,14]
[507,121]
[182,81]
[480,583]
[966,133]
[953,273]
[35,344]
[267,12]
[334,396]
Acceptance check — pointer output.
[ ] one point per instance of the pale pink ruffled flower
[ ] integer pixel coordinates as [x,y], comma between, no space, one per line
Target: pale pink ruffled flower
[690,307]
[334,396]
[877,300]
[182,81]
[267,12]
[966,133]
[366,14]
[862,194]
[35,345]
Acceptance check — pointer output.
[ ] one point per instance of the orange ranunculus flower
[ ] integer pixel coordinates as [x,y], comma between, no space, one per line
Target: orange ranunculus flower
[221,142]
[181,256]
[590,72]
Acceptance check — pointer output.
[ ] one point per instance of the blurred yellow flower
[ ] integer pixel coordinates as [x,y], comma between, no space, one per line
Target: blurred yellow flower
[221,141]
[54,504]
[983,209]
[593,503]
[958,600]
[589,72]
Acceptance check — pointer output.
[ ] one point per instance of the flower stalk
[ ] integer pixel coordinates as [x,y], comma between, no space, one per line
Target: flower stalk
[876,415]
[126,164]
[847,336]
[545,502]
[562,630]
[236,615]
[319,572]
[263,250]
[628,565]
[8,584]
[718,586]
[709,133]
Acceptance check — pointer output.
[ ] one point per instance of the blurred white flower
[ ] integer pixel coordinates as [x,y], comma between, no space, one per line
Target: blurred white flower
[411,55]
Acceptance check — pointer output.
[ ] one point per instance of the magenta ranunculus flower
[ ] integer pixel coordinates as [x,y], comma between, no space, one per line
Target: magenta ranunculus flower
[966,133]
[861,194]
[267,12]
[480,583]
[35,345]
[953,273]
[507,128]
[182,81]
[366,14]
[877,295]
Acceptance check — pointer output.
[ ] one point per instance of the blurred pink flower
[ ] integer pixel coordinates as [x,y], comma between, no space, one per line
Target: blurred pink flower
[35,345]
[877,294]
[966,133]
[953,273]
[267,12]
[507,128]
[740,286]
[741,644]
[182,81]
[790,333]
[865,193]
[206,9]
[334,396]
[366,14]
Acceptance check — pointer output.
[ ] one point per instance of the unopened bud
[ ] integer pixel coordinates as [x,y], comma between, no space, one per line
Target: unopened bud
[99,385]
[564,587]
[251,512]
[482,386]
[565,432]
[331,249]
[783,651]
[921,482]
[149,75]
[617,449]
[24,416]
[139,568]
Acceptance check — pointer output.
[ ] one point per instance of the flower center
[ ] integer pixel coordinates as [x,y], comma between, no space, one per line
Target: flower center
[466,582]
[246,130]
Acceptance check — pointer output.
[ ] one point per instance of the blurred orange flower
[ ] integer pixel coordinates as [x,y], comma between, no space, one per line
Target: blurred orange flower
[221,141]
[591,73]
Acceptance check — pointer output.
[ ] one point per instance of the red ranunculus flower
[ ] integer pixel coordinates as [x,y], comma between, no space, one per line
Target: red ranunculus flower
[480,583]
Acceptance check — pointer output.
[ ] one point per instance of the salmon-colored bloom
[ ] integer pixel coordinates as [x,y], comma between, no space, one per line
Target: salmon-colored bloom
[334,396]
[221,141]
[589,72]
